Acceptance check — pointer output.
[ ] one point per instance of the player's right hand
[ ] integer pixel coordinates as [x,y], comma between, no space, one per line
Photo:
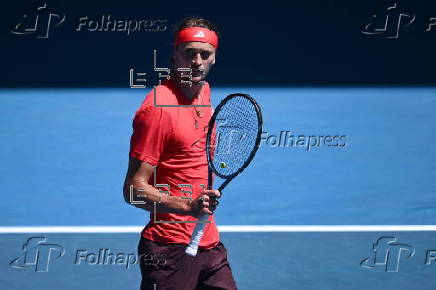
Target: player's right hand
[205,203]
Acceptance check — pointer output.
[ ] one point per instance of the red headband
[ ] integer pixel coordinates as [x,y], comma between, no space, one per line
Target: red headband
[200,34]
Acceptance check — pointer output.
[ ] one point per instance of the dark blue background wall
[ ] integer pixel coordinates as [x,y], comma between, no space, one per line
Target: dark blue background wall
[275,43]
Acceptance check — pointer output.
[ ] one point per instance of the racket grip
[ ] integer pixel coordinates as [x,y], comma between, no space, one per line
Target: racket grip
[192,248]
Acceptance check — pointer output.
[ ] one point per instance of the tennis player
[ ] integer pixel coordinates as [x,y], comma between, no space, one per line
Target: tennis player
[168,170]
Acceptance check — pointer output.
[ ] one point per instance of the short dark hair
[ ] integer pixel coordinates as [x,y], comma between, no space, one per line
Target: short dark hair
[196,21]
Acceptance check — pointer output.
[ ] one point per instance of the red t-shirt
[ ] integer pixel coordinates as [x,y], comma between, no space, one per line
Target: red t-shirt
[173,139]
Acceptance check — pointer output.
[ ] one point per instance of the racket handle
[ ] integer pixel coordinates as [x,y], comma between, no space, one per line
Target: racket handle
[192,248]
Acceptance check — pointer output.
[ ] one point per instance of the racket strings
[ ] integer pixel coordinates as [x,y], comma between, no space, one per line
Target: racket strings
[236,131]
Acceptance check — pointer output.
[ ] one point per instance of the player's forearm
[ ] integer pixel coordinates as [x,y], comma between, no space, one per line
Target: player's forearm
[144,195]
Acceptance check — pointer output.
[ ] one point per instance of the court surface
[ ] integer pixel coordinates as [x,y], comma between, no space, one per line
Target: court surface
[65,151]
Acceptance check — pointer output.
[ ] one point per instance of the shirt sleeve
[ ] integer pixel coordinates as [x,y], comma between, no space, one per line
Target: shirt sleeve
[152,129]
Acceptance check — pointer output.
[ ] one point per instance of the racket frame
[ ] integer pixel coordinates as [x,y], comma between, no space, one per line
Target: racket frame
[192,247]
[211,167]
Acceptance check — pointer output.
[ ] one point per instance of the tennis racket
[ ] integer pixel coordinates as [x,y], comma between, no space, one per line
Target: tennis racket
[232,140]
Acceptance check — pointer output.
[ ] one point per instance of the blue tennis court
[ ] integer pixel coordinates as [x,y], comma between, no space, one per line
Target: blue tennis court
[64,156]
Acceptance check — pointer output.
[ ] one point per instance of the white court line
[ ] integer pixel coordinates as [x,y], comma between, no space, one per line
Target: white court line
[234,229]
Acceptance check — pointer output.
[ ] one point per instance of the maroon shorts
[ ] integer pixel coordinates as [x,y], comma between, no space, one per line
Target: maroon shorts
[168,267]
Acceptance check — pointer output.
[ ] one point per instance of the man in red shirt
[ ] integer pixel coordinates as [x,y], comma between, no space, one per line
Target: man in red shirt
[168,169]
